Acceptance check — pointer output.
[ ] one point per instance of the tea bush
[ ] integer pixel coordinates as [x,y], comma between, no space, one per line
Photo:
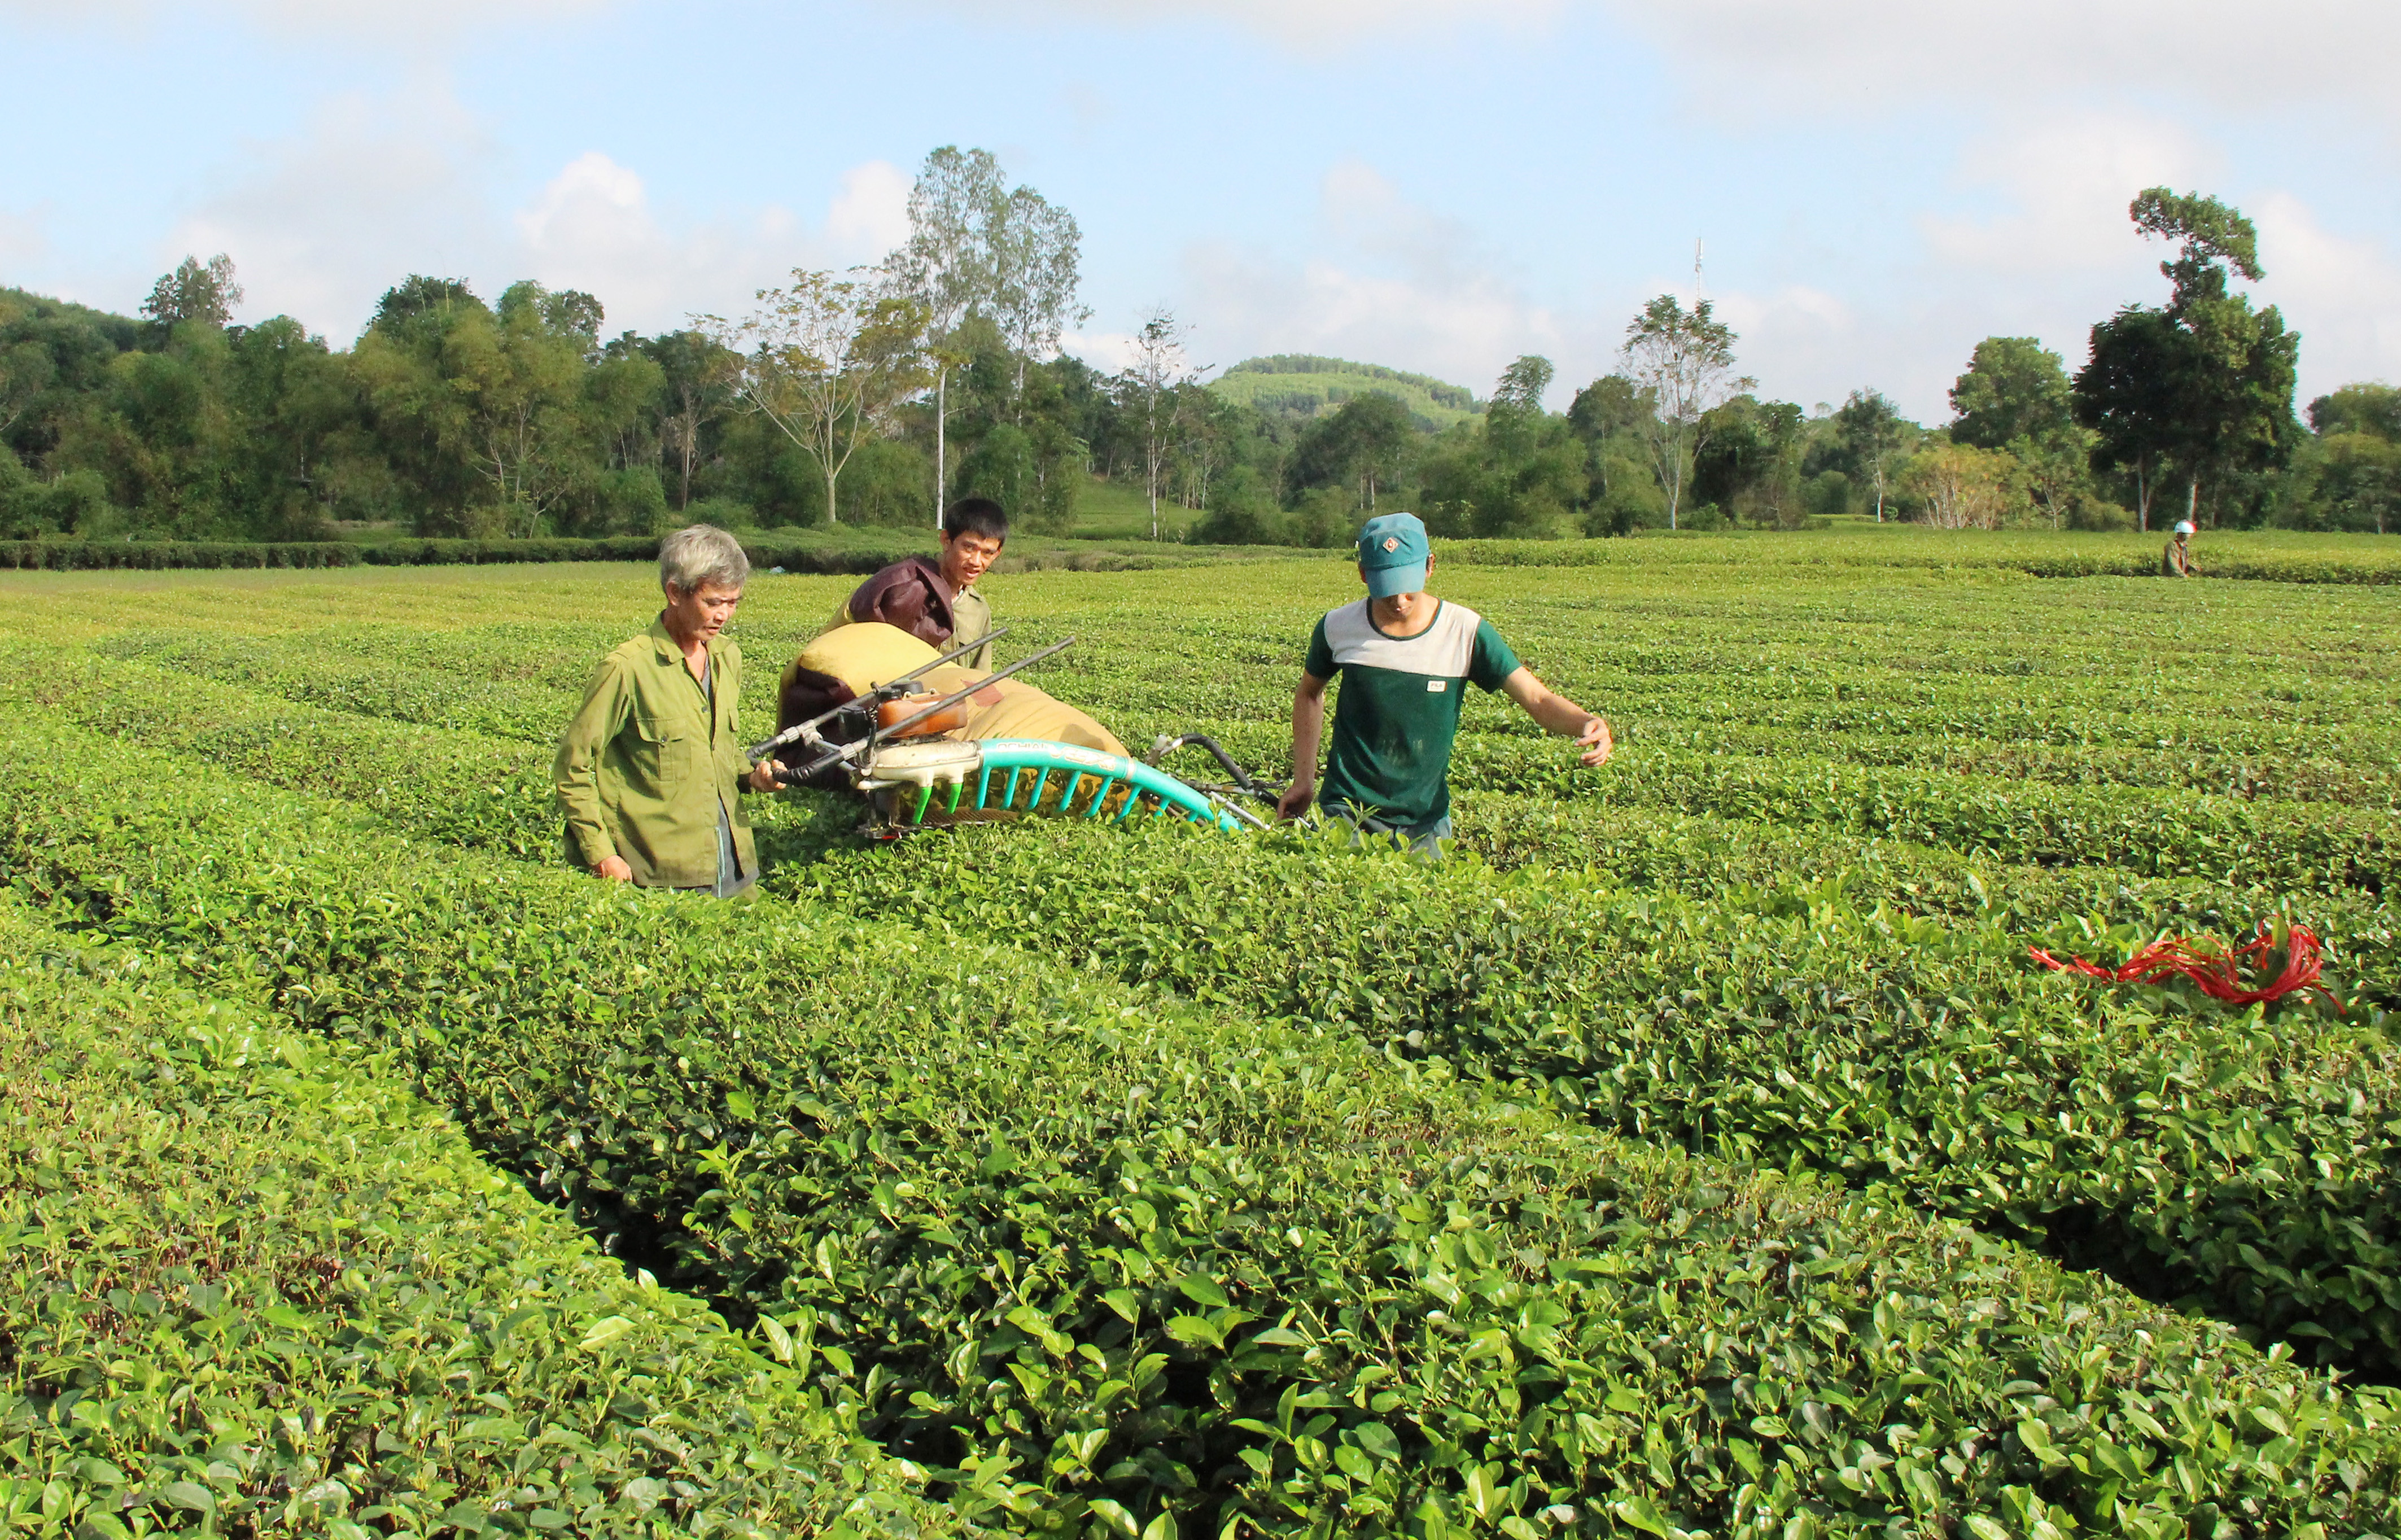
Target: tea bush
[2255,1162]
[2286,1255]
[1107,1260]
[248,1284]
[1872,785]
[2231,557]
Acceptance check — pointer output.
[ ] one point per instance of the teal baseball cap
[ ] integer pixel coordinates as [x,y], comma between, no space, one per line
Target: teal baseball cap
[1393,553]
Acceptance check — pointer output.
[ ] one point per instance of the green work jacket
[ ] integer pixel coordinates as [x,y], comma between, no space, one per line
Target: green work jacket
[646,764]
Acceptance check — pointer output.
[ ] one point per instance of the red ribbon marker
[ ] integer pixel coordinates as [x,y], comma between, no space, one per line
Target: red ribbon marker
[2218,973]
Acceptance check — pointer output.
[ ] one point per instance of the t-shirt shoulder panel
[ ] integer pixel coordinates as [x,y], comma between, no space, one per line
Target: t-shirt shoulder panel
[1495,660]
[1319,661]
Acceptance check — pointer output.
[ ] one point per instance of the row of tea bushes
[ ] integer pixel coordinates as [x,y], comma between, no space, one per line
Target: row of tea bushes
[460,787]
[2239,839]
[1107,1261]
[794,555]
[2253,1163]
[2350,840]
[1637,848]
[2241,557]
[2286,1247]
[474,789]
[250,1284]
[2234,839]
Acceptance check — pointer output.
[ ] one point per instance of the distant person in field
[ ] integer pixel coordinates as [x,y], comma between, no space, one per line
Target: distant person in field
[935,601]
[650,774]
[2176,560]
[1406,658]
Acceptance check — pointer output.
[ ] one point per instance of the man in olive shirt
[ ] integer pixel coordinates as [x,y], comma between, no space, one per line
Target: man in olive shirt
[651,771]
[936,601]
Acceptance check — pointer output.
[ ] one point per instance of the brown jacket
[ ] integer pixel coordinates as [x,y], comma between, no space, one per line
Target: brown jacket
[913,595]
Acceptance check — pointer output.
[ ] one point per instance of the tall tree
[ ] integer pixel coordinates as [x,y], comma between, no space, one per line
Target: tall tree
[1622,494]
[1685,359]
[2127,395]
[1148,388]
[26,370]
[1522,474]
[404,365]
[1871,433]
[697,377]
[1522,383]
[1035,281]
[1751,466]
[1363,444]
[199,290]
[524,378]
[301,453]
[951,267]
[2015,387]
[826,360]
[1608,406]
[2204,386]
[2015,397]
[2359,481]
[1211,432]
[2364,407]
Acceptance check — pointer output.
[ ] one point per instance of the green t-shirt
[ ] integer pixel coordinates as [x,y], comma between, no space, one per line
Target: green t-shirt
[1398,711]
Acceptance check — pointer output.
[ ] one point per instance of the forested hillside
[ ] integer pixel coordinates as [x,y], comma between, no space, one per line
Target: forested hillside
[1303,385]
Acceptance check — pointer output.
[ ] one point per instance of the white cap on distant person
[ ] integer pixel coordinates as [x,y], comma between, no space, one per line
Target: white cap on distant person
[2184,526]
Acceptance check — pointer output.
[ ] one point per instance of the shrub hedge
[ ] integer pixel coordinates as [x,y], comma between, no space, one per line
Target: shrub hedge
[793,555]
[248,1284]
[493,792]
[2072,557]
[2233,839]
[1571,983]
[1110,1264]
[2236,839]
[2251,1163]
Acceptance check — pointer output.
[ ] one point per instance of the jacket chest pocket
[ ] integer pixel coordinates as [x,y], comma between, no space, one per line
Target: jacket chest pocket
[664,750]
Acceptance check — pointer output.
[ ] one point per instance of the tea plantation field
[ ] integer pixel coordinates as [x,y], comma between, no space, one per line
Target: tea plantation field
[1698,1154]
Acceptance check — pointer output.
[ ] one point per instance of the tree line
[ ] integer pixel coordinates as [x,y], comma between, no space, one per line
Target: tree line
[876,394]
[2182,410]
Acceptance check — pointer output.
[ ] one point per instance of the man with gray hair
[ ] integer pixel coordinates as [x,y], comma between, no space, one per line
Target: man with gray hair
[651,771]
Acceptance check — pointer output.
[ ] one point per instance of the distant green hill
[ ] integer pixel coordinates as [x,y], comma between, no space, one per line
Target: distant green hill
[1304,385]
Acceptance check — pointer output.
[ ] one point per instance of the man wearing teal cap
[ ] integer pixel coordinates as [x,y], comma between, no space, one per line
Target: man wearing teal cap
[1407,657]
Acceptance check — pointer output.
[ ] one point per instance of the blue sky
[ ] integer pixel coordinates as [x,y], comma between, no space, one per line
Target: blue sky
[1427,183]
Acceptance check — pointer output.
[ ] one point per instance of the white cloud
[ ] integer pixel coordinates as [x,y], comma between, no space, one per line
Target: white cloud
[1397,283]
[1838,53]
[2066,184]
[1363,208]
[870,214]
[415,25]
[2343,294]
[24,242]
[1314,26]
[593,228]
[1107,351]
[318,225]
[1465,330]
[374,189]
